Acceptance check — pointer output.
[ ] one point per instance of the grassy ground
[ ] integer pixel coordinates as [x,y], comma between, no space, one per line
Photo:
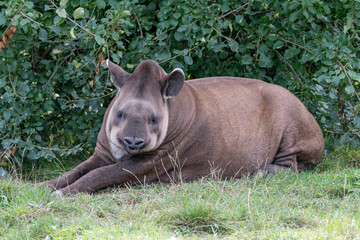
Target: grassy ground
[323,203]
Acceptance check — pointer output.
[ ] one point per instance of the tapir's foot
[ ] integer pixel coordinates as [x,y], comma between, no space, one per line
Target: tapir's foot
[54,184]
[47,184]
[66,191]
[271,169]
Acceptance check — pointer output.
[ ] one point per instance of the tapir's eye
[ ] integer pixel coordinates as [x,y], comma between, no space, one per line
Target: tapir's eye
[121,115]
[153,120]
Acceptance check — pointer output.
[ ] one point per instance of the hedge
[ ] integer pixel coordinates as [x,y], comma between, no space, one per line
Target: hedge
[54,86]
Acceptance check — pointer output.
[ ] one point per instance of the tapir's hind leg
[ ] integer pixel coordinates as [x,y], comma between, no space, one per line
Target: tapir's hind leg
[284,160]
[296,155]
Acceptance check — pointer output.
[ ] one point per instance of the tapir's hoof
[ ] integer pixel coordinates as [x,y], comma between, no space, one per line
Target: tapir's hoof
[60,194]
[45,185]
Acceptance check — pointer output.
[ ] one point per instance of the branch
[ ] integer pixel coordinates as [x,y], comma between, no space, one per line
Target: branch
[58,149]
[287,63]
[90,99]
[138,22]
[181,54]
[74,21]
[343,133]
[12,85]
[57,67]
[282,39]
[349,79]
[12,17]
[235,10]
[21,12]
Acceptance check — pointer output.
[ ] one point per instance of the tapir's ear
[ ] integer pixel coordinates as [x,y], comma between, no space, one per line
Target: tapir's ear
[173,83]
[118,74]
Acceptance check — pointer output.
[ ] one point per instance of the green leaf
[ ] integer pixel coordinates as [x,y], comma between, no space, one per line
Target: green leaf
[240,20]
[330,54]
[246,60]
[357,121]
[217,48]
[294,16]
[234,46]
[183,28]
[265,61]
[7,115]
[178,36]
[100,4]
[56,29]
[29,5]
[115,36]
[2,82]
[24,21]
[99,40]
[349,89]
[177,15]
[61,12]
[2,19]
[188,60]
[290,53]
[278,44]
[125,13]
[78,13]
[72,34]
[63,3]
[43,35]
[348,24]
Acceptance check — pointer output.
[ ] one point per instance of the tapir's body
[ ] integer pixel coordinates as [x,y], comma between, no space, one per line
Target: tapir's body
[222,125]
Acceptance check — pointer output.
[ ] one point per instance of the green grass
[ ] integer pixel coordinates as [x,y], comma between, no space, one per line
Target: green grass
[322,203]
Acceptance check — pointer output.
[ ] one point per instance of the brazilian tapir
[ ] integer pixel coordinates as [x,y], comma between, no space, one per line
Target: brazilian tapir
[159,127]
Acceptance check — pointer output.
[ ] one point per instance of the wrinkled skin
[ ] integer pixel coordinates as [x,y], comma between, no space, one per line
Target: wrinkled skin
[159,127]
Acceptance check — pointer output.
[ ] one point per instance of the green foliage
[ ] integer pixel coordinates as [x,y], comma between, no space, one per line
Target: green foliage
[54,89]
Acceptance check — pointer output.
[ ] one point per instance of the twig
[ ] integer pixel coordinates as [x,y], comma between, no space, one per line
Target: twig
[34,64]
[74,21]
[169,59]
[108,72]
[349,79]
[58,149]
[90,99]
[12,85]
[92,13]
[229,39]
[287,63]
[343,133]
[287,41]
[13,17]
[138,22]
[235,10]
[57,67]
[21,12]
[92,58]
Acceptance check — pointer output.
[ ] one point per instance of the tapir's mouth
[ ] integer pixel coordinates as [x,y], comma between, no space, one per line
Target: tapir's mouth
[132,150]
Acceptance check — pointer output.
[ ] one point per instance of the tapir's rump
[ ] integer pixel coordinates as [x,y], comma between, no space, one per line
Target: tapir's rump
[158,125]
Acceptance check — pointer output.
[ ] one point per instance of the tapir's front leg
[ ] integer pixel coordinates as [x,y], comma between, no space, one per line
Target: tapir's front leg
[129,171]
[70,177]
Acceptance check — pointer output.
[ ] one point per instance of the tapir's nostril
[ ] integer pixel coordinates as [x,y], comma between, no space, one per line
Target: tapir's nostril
[133,142]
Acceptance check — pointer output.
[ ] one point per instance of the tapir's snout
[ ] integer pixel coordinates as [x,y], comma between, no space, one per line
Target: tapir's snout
[132,145]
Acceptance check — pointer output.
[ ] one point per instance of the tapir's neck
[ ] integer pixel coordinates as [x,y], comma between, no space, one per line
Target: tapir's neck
[182,110]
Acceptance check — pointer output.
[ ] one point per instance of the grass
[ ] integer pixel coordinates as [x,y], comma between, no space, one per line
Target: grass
[322,203]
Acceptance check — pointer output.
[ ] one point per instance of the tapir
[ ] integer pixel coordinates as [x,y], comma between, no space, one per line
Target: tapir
[160,127]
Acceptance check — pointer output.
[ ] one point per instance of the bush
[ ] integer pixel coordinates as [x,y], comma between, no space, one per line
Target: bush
[54,89]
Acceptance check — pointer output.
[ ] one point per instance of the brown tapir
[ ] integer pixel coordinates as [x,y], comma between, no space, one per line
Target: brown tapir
[159,127]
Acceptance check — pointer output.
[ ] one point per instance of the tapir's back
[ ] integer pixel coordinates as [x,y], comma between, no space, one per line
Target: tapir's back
[250,122]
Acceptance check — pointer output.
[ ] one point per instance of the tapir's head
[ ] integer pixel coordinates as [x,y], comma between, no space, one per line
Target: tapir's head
[138,119]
